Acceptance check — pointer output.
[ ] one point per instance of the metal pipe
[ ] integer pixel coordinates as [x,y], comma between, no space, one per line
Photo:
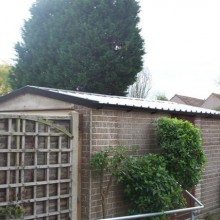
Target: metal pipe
[162,213]
[192,216]
[195,199]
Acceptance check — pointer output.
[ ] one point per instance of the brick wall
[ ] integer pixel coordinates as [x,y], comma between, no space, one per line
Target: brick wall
[209,188]
[118,127]
[102,128]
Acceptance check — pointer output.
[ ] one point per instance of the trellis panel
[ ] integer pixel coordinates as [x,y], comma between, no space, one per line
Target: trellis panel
[36,166]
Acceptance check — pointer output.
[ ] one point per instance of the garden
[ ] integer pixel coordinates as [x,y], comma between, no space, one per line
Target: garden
[154,182]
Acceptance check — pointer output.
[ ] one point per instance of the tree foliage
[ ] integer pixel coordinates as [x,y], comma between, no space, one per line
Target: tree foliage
[4,82]
[86,45]
[161,97]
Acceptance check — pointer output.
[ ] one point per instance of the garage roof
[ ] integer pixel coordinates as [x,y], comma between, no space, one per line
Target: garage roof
[103,101]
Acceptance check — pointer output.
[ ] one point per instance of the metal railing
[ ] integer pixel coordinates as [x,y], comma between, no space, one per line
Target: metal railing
[190,209]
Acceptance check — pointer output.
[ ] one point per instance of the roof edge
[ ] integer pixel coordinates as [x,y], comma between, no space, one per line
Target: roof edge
[87,102]
[49,94]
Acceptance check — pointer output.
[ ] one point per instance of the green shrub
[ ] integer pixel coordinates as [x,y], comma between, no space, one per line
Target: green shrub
[181,146]
[155,182]
[148,186]
[11,212]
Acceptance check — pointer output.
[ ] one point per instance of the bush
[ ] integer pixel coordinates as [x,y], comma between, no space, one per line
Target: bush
[11,212]
[155,182]
[181,146]
[148,185]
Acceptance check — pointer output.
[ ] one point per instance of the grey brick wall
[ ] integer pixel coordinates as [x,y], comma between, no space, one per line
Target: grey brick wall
[112,128]
[209,188]
[102,128]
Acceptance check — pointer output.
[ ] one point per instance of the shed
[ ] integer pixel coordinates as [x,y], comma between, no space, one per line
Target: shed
[47,137]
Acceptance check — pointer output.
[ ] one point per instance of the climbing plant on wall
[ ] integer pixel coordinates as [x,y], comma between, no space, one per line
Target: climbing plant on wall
[107,162]
[155,182]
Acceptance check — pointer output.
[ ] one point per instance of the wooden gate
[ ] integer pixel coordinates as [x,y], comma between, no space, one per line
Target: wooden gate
[36,166]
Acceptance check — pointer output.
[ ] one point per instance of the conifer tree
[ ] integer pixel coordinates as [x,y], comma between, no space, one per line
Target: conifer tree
[85,45]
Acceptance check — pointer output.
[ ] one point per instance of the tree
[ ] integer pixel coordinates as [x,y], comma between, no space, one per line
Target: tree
[161,97]
[86,45]
[142,85]
[4,84]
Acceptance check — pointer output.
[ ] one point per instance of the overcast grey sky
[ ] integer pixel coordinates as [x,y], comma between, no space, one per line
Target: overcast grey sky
[182,41]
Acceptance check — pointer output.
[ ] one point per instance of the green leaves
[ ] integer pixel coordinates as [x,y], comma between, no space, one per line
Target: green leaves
[148,185]
[109,160]
[85,45]
[5,70]
[11,211]
[99,161]
[155,182]
[181,146]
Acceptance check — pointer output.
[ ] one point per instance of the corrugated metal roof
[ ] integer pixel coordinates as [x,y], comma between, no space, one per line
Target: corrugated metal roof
[127,102]
[101,101]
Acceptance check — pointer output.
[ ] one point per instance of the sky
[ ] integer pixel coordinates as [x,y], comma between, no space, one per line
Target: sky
[182,43]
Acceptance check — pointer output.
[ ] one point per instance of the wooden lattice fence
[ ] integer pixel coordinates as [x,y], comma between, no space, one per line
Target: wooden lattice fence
[36,166]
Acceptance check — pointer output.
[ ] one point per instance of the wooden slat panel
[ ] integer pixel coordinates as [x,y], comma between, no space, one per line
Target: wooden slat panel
[18,142]
[35,170]
[8,197]
[35,167]
[47,175]
[2,186]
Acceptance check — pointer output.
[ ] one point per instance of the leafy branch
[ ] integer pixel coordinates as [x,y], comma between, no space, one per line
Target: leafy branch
[11,212]
[107,162]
